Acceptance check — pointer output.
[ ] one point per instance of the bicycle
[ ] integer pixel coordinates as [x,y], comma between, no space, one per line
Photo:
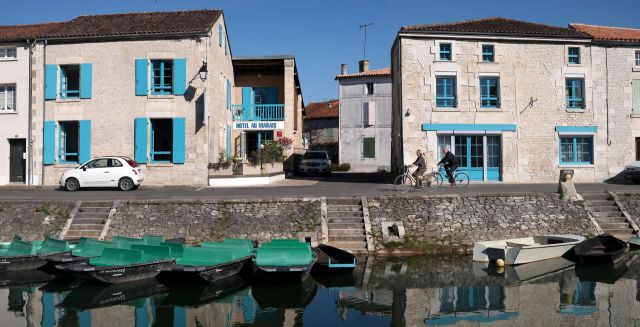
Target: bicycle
[460,179]
[405,182]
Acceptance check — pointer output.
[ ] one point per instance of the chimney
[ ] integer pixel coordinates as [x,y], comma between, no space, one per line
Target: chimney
[343,69]
[364,66]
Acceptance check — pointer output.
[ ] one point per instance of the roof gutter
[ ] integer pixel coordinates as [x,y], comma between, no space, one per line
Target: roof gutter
[126,37]
[481,36]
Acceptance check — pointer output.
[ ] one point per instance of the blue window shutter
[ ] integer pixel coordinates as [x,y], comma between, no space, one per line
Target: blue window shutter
[50,82]
[220,35]
[247,101]
[49,143]
[179,76]
[140,148]
[179,134]
[142,77]
[85,141]
[228,94]
[86,72]
[273,95]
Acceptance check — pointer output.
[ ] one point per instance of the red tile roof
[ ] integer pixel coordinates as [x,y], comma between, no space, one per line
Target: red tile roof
[118,25]
[498,26]
[369,73]
[318,110]
[605,33]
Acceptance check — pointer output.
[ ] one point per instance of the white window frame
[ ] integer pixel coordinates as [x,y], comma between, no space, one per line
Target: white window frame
[4,53]
[4,94]
[636,58]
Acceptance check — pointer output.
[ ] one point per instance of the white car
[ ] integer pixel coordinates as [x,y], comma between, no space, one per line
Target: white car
[120,172]
[315,162]
[632,171]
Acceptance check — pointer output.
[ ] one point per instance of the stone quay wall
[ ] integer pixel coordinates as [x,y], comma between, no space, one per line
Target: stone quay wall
[454,223]
[198,221]
[631,202]
[33,220]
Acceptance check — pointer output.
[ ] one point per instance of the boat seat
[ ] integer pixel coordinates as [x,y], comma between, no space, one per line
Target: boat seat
[176,249]
[243,241]
[283,256]
[295,244]
[204,256]
[52,245]
[153,252]
[514,244]
[117,257]
[239,250]
[126,242]
[18,248]
[153,239]
[90,248]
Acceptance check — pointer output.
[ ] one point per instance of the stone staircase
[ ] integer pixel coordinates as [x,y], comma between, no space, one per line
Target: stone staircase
[89,220]
[345,220]
[607,213]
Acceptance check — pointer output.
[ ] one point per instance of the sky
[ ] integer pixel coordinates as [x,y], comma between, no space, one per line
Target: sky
[323,34]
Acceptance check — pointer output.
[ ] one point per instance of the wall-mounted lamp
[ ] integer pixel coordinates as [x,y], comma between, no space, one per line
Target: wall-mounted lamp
[408,113]
[203,71]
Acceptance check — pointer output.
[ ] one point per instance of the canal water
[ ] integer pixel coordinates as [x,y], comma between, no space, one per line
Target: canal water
[416,291]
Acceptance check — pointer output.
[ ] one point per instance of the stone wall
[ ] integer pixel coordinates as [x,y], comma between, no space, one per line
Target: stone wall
[32,220]
[631,202]
[199,221]
[441,224]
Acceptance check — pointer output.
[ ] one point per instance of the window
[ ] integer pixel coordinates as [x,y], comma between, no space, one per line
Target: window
[575,93]
[368,114]
[488,54]
[368,88]
[635,96]
[98,163]
[115,163]
[161,77]
[445,51]
[7,98]
[637,58]
[330,133]
[369,147]
[70,81]
[446,92]
[161,140]
[489,92]
[69,142]
[576,150]
[8,53]
[574,56]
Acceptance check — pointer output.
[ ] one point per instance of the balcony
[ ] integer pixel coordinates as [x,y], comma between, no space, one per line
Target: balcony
[258,112]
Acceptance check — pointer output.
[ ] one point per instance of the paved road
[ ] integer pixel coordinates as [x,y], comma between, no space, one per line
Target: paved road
[336,186]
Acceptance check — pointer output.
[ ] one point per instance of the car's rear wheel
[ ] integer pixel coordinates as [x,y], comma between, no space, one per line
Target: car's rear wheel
[72,184]
[126,184]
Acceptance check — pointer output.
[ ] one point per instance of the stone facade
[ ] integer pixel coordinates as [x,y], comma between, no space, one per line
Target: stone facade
[33,220]
[114,105]
[532,74]
[199,221]
[443,224]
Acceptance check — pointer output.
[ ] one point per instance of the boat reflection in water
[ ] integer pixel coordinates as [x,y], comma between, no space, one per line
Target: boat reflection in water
[419,291]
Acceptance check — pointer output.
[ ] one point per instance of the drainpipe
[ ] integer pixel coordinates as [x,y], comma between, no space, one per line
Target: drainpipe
[29,128]
[606,67]
[44,63]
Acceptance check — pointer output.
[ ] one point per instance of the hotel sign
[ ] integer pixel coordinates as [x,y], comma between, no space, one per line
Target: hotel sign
[258,125]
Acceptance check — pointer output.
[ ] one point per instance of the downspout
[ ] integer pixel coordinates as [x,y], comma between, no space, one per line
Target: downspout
[44,63]
[30,119]
[606,67]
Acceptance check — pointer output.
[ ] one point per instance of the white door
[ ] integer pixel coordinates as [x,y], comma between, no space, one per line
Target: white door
[96,173]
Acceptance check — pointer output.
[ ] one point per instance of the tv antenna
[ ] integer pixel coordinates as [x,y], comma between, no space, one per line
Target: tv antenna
[155,5]
[364,47]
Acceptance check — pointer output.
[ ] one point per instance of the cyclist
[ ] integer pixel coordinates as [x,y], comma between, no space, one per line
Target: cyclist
[422,167]
[450,163]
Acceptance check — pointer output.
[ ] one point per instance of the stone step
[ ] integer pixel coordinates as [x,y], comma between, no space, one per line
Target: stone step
[346,226]
[595,196]
[82,233]
[348,238]
[345,220]
[344,207]
[606,220]
[603,209]
[611,214]
[598,203]
[624,237]
[344,213]
[96,204]
[102,210]
[618,231]
[91,215]
[88,221]
[347,245]
[346,232]
[92,227]
[343,201]
[614,225]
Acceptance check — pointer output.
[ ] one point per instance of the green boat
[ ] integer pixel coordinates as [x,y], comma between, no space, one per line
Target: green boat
[23,255]
[634,242]
[284,259]
[211,262]
[85,249]
[120,265]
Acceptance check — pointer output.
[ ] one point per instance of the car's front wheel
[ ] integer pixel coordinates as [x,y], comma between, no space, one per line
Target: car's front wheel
[72,184]
[126,184]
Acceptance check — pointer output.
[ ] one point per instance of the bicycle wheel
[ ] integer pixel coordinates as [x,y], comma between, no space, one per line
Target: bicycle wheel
[431,181]
[462,180]
[403,183]
[437,182]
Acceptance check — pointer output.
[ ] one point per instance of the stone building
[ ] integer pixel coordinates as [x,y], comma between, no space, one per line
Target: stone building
[321,130]
[516,101]
[150,86]
[267,104]
[365,118]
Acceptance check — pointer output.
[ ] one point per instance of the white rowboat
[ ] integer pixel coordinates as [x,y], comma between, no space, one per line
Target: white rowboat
[524,250]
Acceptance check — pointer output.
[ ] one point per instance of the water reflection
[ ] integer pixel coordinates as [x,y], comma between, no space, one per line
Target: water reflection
[421,291]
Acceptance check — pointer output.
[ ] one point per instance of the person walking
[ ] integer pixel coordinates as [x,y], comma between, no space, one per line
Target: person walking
[450,163]
[422,167]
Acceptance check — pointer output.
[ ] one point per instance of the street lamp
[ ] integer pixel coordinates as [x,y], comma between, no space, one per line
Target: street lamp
[203,71]
[260,156]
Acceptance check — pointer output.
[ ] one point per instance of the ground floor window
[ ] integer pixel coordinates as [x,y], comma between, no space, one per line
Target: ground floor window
[7,98]
[576,150]
[69,142]
[638,148]
[480,156]
[161,140]
[369,147]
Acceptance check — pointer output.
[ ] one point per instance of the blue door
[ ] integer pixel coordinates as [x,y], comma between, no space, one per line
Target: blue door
[470,150]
